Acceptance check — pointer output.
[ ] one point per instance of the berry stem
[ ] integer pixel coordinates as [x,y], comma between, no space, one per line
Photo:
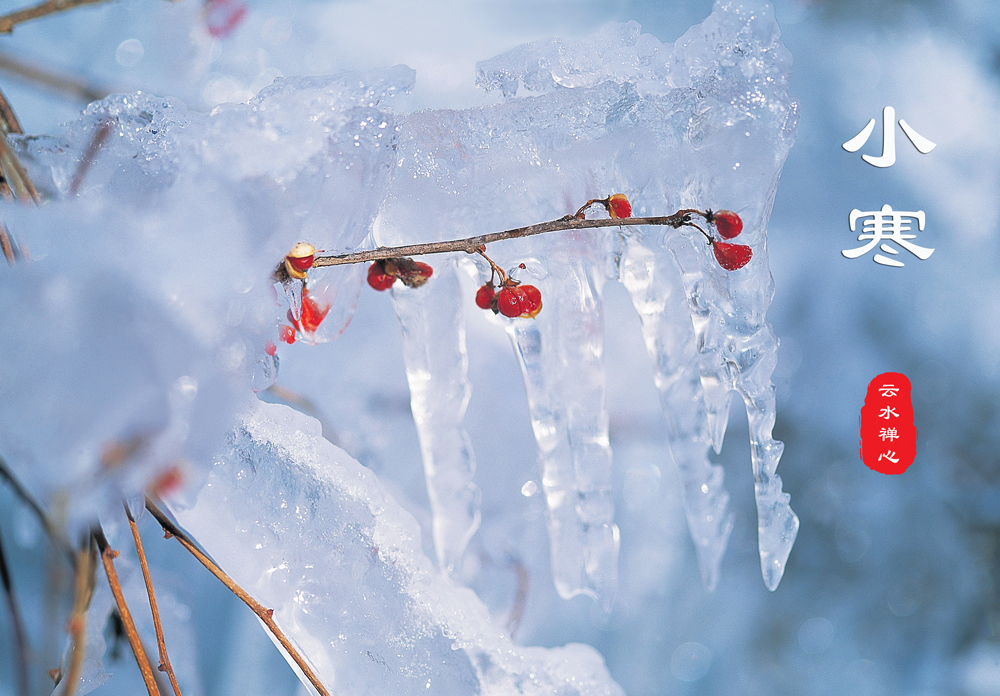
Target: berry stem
[471,245]
[496,270]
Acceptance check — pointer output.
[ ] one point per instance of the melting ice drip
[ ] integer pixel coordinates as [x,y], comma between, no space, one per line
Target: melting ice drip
[706,123]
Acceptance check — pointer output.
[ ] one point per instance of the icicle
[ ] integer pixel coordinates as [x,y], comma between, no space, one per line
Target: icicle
[433,330]
[652,279]
[737,348]
[561,353]
[777,525]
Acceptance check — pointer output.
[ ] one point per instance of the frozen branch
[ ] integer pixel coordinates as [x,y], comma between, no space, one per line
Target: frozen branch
[471,245]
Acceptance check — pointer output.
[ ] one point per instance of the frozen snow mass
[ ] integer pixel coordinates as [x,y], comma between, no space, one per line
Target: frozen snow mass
[140,326]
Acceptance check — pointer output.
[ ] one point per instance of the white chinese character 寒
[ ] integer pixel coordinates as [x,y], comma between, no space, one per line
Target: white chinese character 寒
[888,157]
[887,224]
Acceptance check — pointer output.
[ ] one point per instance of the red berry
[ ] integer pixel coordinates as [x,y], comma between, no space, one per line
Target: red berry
[168,482]
[424,270]
[728,223]
[301,264]
[270,348]
[312,313]
[287,334]
[223,16]
[531,301]
[732,256]
[484,296]
[378,278]
[619,207]
[509,301]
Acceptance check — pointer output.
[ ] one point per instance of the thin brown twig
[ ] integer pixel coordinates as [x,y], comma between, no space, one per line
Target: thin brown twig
[20,638]
[82,592]
[107,559]
[471,245]
[9,21]
[264,614]
[51,80]
[160,642]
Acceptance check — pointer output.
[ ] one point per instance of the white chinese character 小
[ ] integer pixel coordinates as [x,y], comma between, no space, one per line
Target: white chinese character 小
[888,157]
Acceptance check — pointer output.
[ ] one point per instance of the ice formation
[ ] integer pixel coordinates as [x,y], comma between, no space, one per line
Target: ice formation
[136,330]
[703,123]
[140,328]
[311,534]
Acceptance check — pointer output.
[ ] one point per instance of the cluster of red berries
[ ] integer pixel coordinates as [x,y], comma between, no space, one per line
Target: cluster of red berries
[728,224]
[507,297]
[512,300]
[383,273]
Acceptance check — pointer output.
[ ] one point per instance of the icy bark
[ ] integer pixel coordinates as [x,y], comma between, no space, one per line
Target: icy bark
[562,360]
[650,275]
[437,366]
[311,534]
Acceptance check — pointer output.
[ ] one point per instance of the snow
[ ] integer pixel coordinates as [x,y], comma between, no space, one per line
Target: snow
[311,534]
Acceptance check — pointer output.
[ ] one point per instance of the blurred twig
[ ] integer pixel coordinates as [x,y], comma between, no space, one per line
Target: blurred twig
[82,592]
[53,81]
[107,559]
[20,639]
[262,613]
[100,135]
[17,178]
[8,124]
[47,524]
[520,597]
[160,642]
[8,119]
[9,21]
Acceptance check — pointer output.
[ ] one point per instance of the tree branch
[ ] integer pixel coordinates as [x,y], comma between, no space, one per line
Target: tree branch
[262,613]
[472,244]
[160,642]
[107,559]
[8,21]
